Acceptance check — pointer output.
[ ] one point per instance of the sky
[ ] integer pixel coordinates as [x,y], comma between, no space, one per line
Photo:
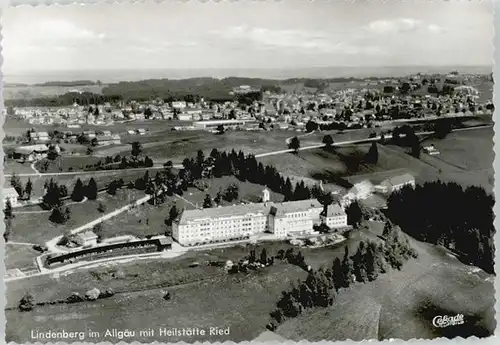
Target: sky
[246,34]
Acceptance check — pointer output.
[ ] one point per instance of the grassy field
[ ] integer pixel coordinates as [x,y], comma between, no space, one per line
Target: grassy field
[36,227]
[402,304]
[248,142]
[466,157]
[397,305]
[29,92]
[20,256]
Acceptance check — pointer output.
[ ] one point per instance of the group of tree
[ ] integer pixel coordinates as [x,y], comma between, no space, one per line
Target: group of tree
[23,191]
[111,163]
[321,287]
[405,136]
[114,185]
[80,191]
[449,215]
[442,128]
[245,168]
[60,215]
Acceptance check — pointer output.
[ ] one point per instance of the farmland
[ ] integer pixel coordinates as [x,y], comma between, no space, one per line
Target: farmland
[466,157]
[32,91]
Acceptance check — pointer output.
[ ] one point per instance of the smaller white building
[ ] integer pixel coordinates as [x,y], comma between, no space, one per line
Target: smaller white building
[86,239]
[334,216]
[11,194]
[396,183]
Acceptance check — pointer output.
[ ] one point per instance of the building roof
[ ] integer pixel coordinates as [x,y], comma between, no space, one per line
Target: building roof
[104,137]
[221,122]
[399,180]
[9,191]
[87,235]
[31,148]
[335,210]
[263,209]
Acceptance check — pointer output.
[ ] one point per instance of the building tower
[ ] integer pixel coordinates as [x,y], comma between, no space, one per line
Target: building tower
[266,196]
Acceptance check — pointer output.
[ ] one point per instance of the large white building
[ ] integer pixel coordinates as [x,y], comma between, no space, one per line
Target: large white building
[213,124]
[228,223]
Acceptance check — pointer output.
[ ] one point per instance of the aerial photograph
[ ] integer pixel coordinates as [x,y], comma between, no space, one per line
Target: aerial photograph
[237,171]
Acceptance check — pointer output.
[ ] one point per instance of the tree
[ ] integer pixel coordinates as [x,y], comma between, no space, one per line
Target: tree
[136,149]
[220,129]
[90,151]
[29,188]
[101,207]
[148,162]
[91,190]
[8,210]
[27,303]
[52,196]
[60,215]
[328,141]
[372,155]
[63,191]
[263,256]
[94,142]
[442,129]
[354,214]
[207,203]
[173,214]
[8,215]
[78,191]
[294,144]
[16,183]
[311,126]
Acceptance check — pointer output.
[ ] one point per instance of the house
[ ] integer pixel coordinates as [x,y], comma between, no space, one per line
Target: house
[141,131]
[39,137]
[185,117]
[431,150]
[179,105]
[108,139]
[89,134]
[131,132]
[334,216]
[31,153]
[10,194]
[87,238]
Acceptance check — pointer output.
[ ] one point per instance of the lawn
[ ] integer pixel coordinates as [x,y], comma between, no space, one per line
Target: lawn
[465,157]
[36,227]
[20,256]
[240,302]
[187,146]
